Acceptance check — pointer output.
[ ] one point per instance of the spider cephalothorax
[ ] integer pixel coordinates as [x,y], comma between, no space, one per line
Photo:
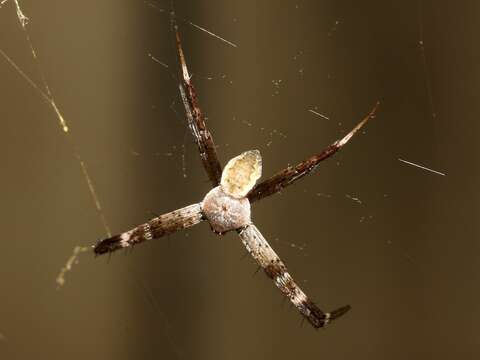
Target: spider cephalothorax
[224,212]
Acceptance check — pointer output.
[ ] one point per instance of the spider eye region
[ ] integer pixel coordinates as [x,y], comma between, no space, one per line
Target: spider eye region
[224,212]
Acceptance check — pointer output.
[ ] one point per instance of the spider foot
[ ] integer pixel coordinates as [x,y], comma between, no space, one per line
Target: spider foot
[109,245]
[336,314]
[320,319]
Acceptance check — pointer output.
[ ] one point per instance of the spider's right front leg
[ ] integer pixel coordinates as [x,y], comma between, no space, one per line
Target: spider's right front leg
[293,173]
[157,227]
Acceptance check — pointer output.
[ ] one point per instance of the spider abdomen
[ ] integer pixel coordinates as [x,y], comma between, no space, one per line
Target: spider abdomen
[224,212]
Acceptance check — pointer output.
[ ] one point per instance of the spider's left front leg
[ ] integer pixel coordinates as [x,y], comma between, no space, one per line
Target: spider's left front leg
[196,121]
[262,252]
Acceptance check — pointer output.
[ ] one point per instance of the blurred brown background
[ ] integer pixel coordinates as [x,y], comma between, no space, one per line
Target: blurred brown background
[407,258]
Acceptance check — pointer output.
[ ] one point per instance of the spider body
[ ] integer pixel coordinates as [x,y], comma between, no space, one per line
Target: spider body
[227,206]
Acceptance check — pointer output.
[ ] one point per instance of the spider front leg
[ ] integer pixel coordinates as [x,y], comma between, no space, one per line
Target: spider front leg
[275,269]
[196,121]
[293,173]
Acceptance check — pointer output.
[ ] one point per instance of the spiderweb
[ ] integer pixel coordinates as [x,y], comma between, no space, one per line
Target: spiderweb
[276,139]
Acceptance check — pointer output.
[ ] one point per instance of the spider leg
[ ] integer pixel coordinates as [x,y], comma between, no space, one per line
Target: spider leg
[275,269]
[293,173]
[157,227]
[196,121]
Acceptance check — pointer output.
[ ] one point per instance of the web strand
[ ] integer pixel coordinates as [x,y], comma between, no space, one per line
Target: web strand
[423,56]
[46,94]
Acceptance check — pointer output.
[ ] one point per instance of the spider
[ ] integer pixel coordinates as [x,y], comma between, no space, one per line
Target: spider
[226,207]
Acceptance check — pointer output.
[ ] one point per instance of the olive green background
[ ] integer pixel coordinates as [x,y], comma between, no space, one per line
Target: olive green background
[407,258]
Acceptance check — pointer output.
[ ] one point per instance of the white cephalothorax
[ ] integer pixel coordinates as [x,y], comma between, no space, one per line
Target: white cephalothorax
[226,206]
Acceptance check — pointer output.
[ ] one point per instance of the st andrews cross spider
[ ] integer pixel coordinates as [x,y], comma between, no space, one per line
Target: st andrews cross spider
[227,206]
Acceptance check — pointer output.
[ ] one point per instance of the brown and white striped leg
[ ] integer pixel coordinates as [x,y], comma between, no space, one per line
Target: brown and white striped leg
[196,121]
[157,227]
[262,252]
[293,173]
